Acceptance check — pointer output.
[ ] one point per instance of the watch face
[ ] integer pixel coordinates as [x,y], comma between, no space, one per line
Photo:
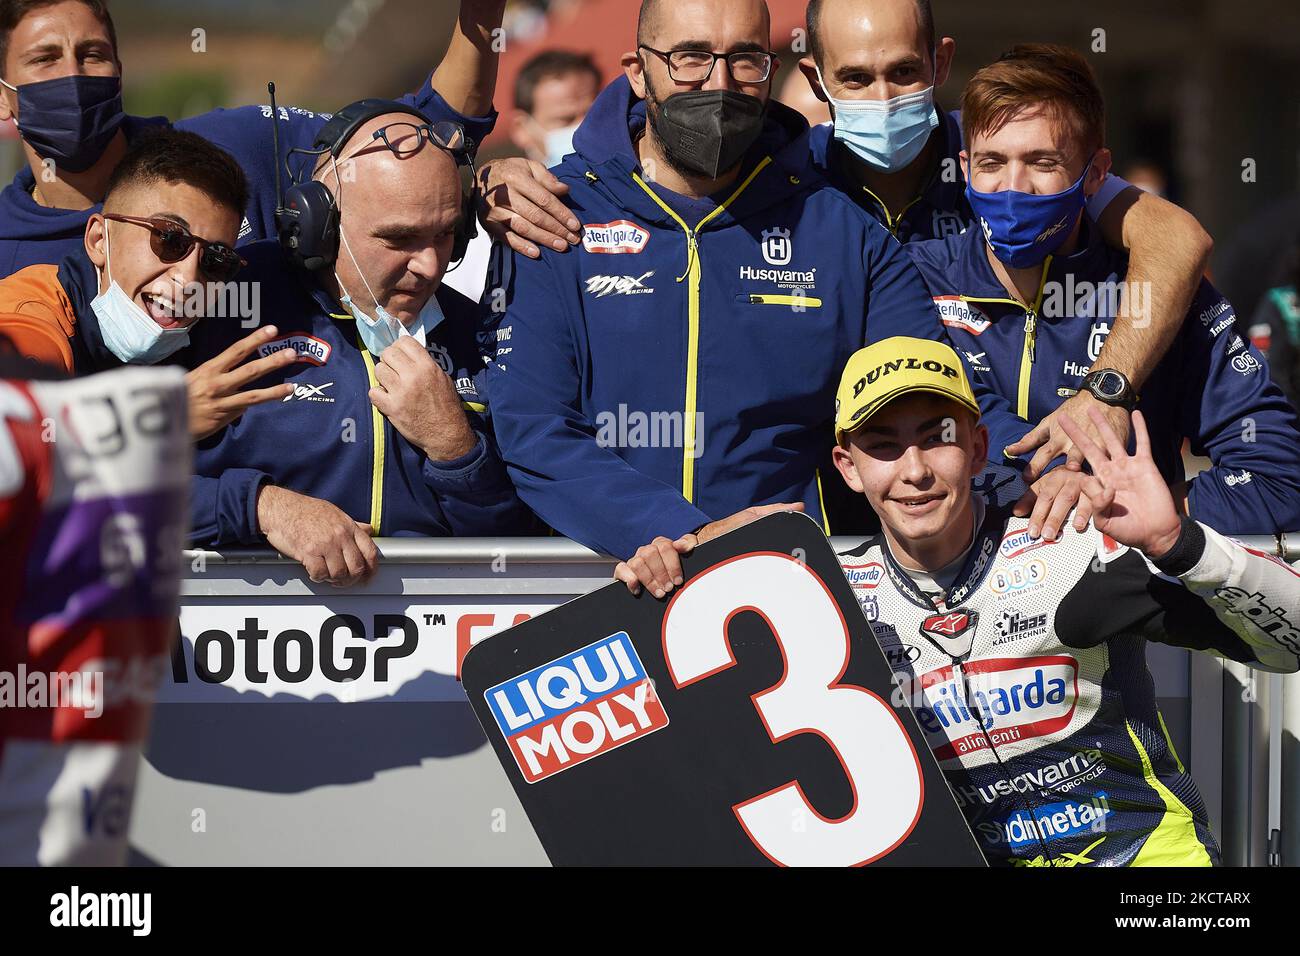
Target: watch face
[1109,385]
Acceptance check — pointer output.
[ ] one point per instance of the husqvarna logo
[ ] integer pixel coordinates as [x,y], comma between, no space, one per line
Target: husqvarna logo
[777,247]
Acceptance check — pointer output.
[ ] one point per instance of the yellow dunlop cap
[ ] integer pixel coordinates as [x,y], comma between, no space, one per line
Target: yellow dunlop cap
[891,368]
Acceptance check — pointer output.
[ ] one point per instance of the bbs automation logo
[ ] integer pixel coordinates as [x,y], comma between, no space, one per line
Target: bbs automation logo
[576,707]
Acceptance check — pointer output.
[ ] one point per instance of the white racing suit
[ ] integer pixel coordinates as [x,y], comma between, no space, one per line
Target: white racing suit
[1029,680]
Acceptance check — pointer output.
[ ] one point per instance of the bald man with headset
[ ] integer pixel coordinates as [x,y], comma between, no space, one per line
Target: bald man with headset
[386,431]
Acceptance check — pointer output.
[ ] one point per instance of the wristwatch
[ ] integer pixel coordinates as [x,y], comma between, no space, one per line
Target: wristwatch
[1111,388]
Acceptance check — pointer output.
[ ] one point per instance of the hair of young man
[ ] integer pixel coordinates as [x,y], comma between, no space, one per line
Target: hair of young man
[12,13]
[1034,74]
[166,155]
[552,64]
[923,9]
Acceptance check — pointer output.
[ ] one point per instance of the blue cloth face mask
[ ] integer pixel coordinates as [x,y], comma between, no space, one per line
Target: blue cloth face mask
[1023,229]
[71,119]
[127,329]
[885,134]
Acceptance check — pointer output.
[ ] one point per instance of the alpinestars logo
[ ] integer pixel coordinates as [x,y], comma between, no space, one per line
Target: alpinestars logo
[1256,609]
[601,286]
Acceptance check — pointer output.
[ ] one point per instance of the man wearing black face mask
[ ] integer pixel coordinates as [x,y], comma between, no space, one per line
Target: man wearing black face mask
[61,80]
[679,367]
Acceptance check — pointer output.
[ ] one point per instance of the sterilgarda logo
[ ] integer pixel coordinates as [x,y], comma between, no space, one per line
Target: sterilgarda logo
[864,576]
[957,314]
[620,237]
[1019,542]
[310,349]
[1007,700]
[576,707]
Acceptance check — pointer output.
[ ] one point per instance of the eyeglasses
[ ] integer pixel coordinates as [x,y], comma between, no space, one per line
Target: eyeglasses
[696,66]
[172,242]
[405,139]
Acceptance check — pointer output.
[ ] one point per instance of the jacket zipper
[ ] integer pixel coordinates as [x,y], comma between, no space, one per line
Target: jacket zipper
[692,277]
[1028,348]
[892,222]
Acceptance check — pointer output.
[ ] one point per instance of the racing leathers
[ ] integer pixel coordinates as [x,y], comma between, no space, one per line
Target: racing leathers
[1028,677]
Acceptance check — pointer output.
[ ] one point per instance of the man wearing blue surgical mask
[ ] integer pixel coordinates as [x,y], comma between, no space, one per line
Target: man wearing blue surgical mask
[895,151]
[1032,291]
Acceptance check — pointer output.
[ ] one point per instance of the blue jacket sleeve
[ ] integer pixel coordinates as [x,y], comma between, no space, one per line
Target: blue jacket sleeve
[475,493]
[900,304]
[581,489]
[223,510]
[1237,416]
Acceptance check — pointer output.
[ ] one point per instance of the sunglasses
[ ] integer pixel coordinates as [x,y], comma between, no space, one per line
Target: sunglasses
[172,242]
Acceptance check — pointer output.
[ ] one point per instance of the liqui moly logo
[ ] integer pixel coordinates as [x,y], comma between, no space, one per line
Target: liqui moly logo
[613,238]
[1004,700]
[577,707]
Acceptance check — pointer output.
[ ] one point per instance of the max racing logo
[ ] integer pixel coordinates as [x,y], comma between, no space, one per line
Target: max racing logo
[576,707]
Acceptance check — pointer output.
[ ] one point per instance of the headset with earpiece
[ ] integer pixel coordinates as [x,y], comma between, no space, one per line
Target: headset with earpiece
[307,213]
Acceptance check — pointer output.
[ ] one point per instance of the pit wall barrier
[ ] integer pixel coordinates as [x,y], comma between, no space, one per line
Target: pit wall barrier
[300,724]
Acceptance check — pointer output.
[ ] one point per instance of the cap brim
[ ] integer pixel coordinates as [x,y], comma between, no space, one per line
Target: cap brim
[863,415]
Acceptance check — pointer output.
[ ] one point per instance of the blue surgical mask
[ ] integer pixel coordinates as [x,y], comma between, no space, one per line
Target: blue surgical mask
[559,143]
[384,329]
[1023,229]
[71,119]
[885,134]
[127,329]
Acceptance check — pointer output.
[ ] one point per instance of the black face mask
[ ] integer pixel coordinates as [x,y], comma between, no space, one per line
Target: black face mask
[707,132]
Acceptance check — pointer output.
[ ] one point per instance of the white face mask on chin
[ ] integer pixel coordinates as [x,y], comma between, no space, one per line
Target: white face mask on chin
[128,330]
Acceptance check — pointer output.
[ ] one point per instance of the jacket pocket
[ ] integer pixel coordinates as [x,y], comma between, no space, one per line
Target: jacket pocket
[789,301]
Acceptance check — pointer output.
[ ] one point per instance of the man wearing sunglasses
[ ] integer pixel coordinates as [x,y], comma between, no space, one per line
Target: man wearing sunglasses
[145,274]
[61,80]
[386,429]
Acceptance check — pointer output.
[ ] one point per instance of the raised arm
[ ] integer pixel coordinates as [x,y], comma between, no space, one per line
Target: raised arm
[1230,599]
[467,76]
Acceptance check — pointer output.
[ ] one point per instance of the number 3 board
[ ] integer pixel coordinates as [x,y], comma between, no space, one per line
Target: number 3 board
[744,720]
